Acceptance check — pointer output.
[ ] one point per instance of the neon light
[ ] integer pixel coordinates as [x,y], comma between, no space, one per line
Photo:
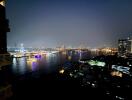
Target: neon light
[37,56]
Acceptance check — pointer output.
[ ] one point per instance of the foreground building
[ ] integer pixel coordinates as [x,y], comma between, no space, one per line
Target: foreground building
[4,28]
[5,59]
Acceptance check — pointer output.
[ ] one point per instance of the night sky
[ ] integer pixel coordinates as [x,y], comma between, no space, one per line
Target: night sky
[51,23]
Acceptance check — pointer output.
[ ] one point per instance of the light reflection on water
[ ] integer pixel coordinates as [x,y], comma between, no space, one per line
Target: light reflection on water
[19,65]
[24,64]
[45,63]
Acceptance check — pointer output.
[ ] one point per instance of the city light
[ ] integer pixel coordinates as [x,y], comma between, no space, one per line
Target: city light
[31,60]
[97,63]
[116,73]
[121,69]
[37,56]
[69,57]
[65,45]
[2,3]
[94,63]
[62,71]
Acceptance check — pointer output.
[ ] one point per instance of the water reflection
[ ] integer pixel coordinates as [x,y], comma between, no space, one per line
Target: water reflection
[80,55]
[29,64]
[34,66]
[19,65]
[46,63]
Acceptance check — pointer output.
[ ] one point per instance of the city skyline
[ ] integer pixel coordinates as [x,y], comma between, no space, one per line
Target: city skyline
[52,23]
[62,45]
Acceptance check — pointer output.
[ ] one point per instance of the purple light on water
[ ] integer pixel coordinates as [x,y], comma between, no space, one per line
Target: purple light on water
[37,56]
[34,65]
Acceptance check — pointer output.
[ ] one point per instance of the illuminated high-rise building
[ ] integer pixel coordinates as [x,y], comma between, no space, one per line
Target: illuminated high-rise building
[125,47]
[129,48]
[129,45]
[122,47]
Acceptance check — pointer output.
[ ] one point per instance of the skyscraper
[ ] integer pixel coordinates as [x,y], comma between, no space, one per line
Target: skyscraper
[125,47]
[129,45]
[122,47]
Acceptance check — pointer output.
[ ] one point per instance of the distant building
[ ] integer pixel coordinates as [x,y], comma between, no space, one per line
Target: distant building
[122,47]
[129,45]
[125,47]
